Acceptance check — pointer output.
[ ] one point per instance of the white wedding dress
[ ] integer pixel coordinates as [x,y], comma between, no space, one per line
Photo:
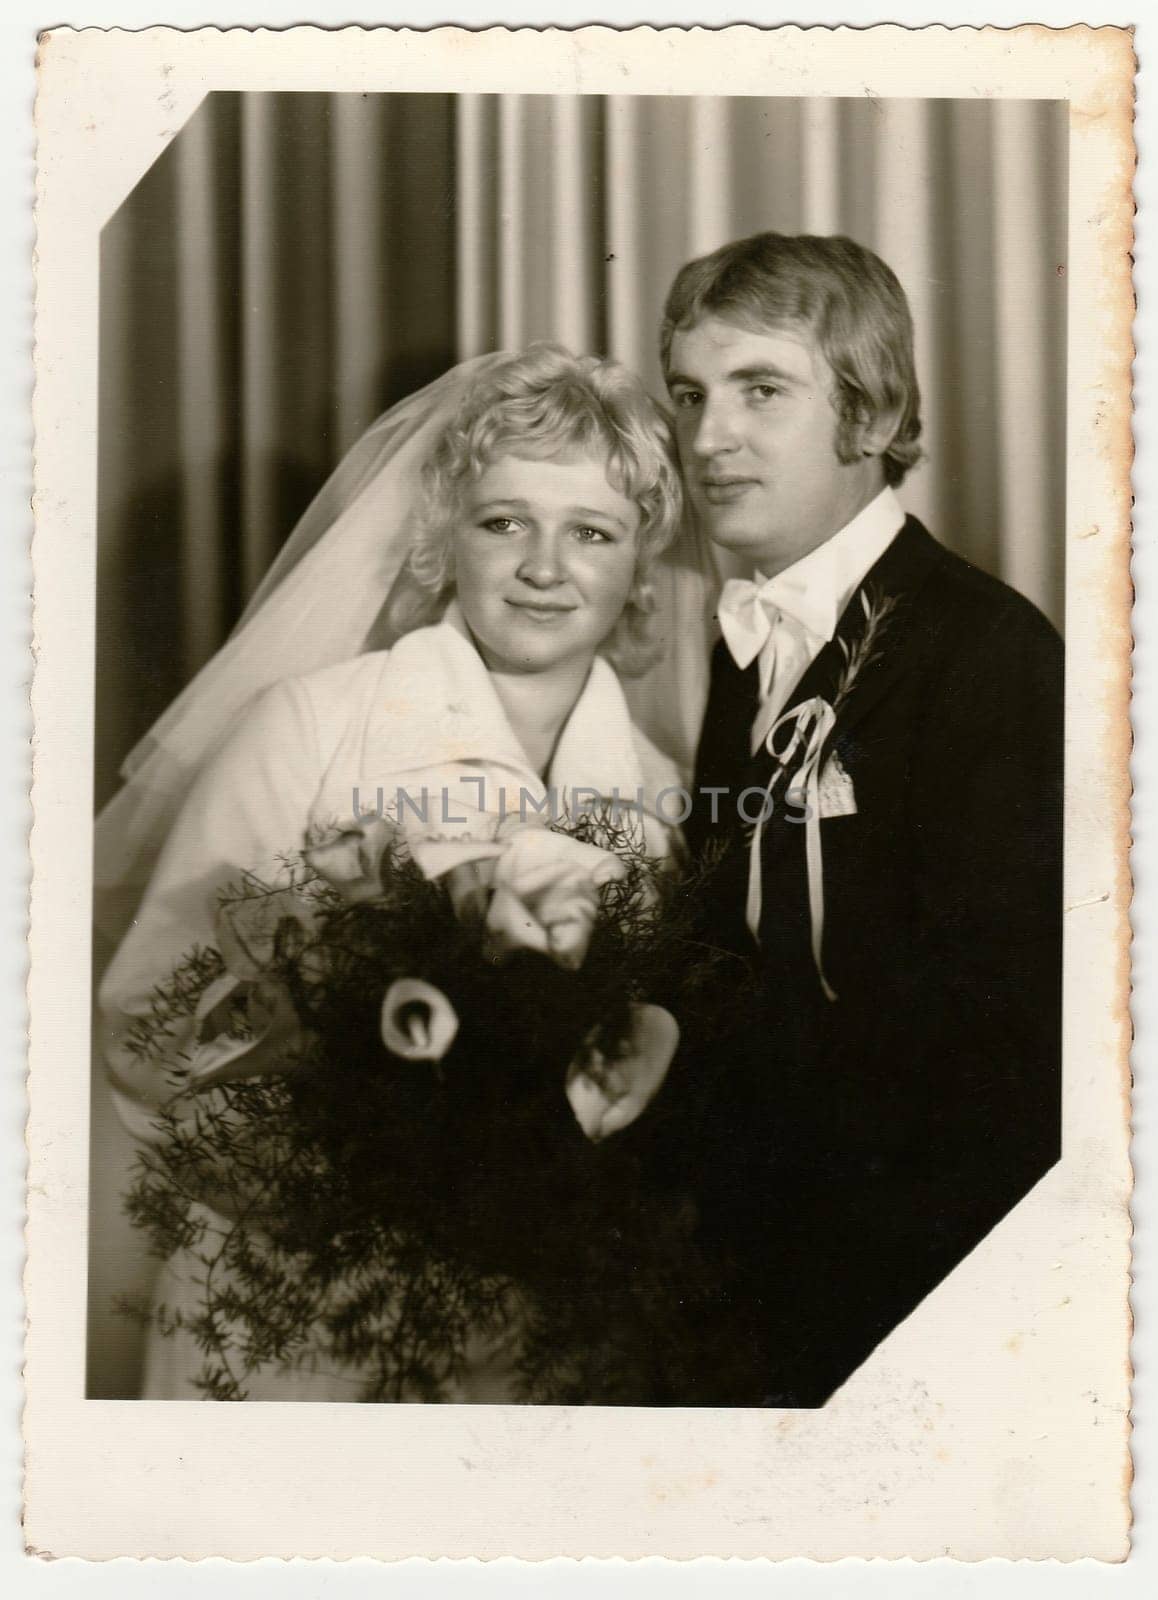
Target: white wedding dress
[422,717]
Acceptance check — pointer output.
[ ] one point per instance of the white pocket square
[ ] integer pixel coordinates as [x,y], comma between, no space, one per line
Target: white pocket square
[837,796]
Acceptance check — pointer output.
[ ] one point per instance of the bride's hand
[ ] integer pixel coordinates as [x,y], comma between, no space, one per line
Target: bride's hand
[558,923]
[546,894]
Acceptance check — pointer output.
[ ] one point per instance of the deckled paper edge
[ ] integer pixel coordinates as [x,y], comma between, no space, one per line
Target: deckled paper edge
[1113,239]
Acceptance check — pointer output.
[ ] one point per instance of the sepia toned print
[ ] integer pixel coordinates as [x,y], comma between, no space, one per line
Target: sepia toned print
[577,739]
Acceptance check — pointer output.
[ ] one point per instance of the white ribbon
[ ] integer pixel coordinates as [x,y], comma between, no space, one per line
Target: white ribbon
[812,721]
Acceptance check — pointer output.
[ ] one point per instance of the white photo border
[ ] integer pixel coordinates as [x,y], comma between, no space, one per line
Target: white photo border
[708,1471]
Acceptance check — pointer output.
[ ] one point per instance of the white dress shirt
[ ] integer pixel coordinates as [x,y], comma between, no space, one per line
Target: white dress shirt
[796,612]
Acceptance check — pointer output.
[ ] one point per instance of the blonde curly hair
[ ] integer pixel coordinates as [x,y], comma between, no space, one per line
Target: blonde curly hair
[546,402]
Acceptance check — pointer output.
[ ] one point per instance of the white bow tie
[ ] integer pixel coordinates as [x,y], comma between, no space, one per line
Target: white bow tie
[749,611]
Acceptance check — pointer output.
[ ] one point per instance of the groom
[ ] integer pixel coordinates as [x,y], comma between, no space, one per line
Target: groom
[881,763]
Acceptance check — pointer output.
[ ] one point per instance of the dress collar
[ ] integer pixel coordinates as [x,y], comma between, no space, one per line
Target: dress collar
[442,707]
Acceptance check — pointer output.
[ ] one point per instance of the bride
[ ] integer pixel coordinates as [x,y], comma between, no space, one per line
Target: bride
[510,516]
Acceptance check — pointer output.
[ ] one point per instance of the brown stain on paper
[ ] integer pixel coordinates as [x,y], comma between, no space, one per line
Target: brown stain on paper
[1103,121]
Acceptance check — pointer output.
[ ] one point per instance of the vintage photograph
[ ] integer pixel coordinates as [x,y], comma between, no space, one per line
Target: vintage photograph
[578,743]
[584,596]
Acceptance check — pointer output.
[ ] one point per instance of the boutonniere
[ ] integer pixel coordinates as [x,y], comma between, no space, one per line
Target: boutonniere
[795,738]
[863,651]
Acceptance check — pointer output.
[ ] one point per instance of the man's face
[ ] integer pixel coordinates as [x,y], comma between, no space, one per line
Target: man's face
[757,430]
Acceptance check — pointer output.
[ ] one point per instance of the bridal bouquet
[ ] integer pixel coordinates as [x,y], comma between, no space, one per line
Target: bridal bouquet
[417,1098]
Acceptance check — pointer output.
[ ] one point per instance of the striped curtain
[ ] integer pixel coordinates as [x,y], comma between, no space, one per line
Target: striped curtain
[294,263]
[574,216]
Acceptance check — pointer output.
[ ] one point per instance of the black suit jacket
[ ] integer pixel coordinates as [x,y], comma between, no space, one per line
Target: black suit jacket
[852,1151]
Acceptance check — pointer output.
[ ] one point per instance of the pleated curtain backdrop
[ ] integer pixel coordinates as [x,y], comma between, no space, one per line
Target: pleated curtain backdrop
[294,263]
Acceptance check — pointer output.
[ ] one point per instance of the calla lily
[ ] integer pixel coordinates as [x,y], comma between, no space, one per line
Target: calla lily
[611,1098]
[351,860]
[418,1021]
[264,1049]
[245,1023]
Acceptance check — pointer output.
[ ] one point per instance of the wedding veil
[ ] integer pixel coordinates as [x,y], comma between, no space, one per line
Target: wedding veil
[319,604]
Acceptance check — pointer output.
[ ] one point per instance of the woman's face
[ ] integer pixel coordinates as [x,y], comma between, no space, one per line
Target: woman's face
[544,559]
